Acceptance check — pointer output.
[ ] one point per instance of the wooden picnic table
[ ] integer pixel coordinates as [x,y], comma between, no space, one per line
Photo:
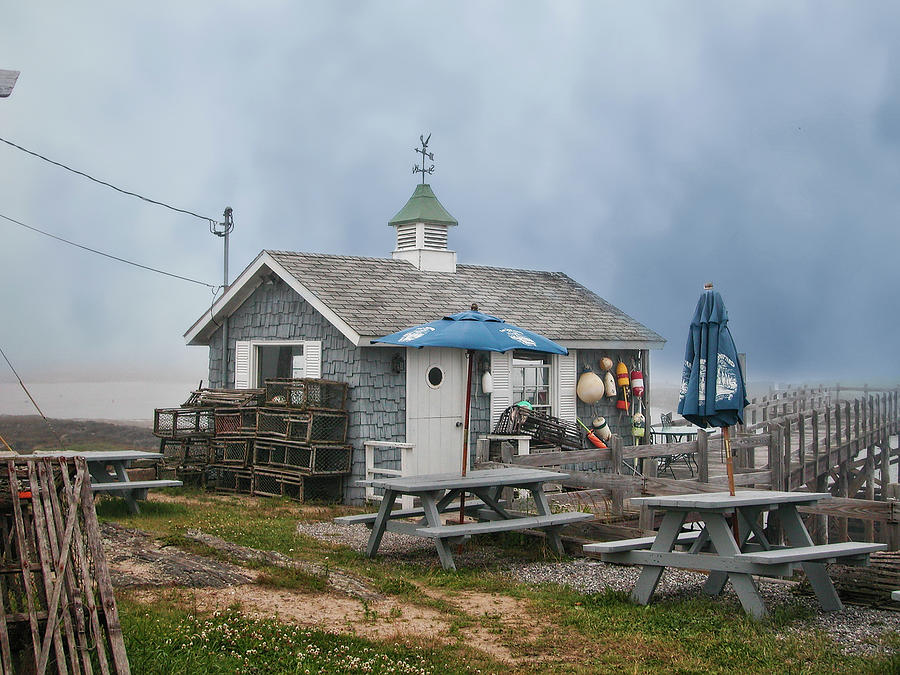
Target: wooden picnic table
[715,548]
[439,493]
[108,469]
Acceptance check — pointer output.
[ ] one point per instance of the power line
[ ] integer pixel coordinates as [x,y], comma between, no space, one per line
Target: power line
[37,407]
[211,221]
[108,255]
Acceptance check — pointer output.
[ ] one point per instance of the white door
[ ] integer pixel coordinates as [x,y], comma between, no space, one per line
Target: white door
[435,408]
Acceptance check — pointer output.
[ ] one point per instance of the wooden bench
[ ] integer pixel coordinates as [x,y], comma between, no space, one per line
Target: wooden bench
[507,525]
[134,485]
[636,544]
[369,518]
[822,553]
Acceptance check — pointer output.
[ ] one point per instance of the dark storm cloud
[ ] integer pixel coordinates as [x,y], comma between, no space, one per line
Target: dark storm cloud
[642,150]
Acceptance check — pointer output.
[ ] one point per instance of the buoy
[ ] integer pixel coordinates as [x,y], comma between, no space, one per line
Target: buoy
[622,375]
[609,384]
[622,399]
[601,428]
[487,382]
[590,387]
[591,436]
[606,363]
[638,425]
[637,383]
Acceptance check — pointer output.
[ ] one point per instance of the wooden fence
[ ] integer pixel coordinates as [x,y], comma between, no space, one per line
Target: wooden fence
[799,439]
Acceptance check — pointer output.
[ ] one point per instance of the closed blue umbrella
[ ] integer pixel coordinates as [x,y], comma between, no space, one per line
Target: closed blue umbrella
[472,331]
[712,382]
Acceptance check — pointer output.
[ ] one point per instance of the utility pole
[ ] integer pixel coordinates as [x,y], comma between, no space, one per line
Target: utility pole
[224,229]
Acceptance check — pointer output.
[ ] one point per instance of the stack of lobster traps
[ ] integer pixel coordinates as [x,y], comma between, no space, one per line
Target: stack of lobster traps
[286,440]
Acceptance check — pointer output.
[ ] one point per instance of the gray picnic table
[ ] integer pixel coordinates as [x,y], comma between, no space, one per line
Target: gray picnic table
[108,469]
[440,493]
[715,548]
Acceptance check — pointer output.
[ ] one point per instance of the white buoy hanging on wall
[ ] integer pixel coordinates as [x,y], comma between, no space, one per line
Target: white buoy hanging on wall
[487,382]
[590,387]
[610,384]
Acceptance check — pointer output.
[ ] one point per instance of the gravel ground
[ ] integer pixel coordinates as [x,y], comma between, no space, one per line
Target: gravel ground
[856,628]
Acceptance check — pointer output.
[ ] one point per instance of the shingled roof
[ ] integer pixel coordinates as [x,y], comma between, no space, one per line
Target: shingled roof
[377,296]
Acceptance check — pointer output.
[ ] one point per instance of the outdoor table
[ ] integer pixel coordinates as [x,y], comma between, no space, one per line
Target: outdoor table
[116,481]
[675,434]
[437,493]
[716,549]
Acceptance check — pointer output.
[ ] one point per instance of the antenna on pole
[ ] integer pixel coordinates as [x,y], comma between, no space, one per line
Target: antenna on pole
[223,229]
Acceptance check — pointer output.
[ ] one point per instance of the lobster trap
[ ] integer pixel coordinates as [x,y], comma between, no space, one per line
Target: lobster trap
[183,422]
[308,459]
[219,398]
[542,428]
[273,483]
[231,450]
[228,479]
[235,421]
[312,426]
[305,393]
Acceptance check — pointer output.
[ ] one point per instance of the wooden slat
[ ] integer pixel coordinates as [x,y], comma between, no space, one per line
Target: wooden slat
[562,457]
[24,556]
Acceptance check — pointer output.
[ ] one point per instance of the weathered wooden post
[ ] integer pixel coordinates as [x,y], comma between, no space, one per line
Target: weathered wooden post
[703,456]
[617,501]
[820,478]
[801,449]
[786,455]
[892,526]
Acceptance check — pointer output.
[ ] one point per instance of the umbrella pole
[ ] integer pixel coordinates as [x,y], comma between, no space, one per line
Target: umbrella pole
[729,463]
[470,357]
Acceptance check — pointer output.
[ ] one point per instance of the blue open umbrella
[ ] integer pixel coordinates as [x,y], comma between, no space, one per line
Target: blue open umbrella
[712,382]
[472,331]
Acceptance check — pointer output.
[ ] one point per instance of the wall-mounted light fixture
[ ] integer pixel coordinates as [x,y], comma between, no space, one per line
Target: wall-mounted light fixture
[398,363]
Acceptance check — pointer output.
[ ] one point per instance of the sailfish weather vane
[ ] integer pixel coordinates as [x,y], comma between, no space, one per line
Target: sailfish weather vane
[425,154]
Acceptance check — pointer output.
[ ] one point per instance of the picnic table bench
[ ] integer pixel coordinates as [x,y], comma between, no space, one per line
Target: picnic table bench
[438,492]
[715,549]
[117,481]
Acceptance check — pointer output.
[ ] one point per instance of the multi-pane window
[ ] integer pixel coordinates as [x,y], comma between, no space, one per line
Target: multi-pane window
[530,379]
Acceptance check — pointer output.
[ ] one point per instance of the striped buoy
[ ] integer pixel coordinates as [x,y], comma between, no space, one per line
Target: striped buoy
[622,375]
[601,428]
[638,425]
[637,383]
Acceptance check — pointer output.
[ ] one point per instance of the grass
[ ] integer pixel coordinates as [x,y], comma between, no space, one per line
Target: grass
[168,640]
[559,630]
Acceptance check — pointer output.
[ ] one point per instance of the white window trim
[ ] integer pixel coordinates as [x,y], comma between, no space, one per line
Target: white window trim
[312,355]
[562,385]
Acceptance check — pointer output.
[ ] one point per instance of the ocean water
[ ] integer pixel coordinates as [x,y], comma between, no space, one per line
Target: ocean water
[119,401]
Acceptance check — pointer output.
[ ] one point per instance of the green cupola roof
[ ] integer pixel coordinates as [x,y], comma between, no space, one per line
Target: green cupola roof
[423,207]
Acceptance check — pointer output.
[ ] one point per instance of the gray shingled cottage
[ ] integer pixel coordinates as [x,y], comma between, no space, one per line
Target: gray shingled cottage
[312,315]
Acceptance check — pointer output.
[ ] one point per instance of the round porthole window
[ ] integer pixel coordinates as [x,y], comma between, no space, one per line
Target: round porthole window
[435,377]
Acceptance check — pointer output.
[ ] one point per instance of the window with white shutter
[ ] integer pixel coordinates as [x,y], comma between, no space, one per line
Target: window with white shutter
[242,354]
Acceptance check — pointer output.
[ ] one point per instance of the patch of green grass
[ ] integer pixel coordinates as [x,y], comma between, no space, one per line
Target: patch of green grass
[168,640]
[297,579]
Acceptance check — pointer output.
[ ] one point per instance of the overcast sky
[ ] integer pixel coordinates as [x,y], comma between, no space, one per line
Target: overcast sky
[641,148]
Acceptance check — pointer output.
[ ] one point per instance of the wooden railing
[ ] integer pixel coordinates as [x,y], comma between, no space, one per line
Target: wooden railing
[800,439]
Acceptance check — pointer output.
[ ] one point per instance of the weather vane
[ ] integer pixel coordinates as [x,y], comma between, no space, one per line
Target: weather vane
[425,154]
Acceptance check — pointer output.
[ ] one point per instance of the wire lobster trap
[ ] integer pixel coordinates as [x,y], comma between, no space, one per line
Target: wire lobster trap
[235,421]
[229,479]
[231,450]
[183,422]
[274,483]
[543,428]
[218,398]
[305,393]
[306,459]
[312,426]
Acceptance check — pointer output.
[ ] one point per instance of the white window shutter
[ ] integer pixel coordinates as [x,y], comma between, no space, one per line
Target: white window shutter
[501,398]
[566,373]
[312,354]
[241,365]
